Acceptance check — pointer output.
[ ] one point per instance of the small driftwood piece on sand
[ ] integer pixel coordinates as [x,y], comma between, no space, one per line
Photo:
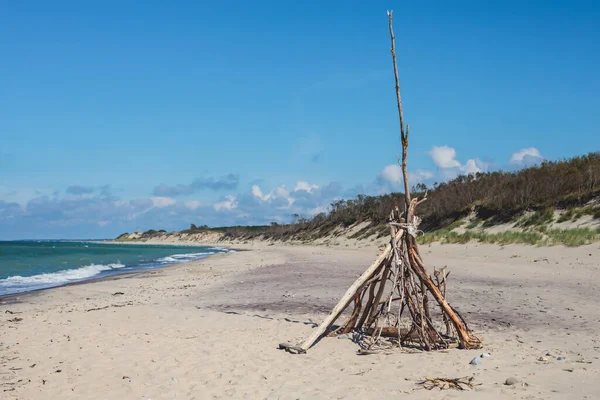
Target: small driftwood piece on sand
[291,348]
[465,383]
[391,298]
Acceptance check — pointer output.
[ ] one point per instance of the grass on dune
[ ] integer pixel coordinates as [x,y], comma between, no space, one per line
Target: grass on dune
[574,237]
[567,237]
[573,214]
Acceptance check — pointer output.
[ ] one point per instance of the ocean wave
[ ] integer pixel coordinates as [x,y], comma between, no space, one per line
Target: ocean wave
[18,283]
[180,258]
[58,277]
[223,249]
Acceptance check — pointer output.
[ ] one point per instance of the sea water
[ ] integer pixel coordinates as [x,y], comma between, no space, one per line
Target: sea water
[31,265]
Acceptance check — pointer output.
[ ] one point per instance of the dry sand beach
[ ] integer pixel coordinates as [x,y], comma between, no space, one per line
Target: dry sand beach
[210,329]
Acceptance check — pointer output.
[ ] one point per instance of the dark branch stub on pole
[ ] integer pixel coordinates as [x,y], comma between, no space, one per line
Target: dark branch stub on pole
[391,298]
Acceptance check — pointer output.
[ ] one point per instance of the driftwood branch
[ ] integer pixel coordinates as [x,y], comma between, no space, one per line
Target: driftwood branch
[403,130]
[465,383]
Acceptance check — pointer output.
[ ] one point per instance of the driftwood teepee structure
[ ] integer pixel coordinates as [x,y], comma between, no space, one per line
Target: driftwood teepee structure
[392,297]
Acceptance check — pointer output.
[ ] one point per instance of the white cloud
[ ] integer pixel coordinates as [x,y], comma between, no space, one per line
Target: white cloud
[470,167]
[279,193]
[304,198]
[419,176]
[228,203]
[444,157]
[527,156]
[256,192]
[307,187]
[192,204]
[391,174]
[160,202]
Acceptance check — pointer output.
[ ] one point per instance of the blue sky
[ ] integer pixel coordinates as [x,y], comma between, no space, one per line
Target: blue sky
[122,116]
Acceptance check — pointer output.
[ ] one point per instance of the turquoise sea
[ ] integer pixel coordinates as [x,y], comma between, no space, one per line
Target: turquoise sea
[31,265]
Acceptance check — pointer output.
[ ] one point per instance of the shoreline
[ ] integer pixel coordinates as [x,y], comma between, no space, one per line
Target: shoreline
[210,328]
[11,298]
[229,247]
[146,243]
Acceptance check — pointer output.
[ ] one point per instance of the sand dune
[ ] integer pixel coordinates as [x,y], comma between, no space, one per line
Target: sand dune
[210,329]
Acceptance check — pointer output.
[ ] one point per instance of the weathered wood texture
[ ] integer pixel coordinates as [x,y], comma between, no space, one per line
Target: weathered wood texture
[348,297]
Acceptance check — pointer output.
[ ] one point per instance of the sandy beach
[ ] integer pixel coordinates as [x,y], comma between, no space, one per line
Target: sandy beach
[210,329]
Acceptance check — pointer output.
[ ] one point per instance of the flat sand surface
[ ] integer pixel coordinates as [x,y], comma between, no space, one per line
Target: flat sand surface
[210,329]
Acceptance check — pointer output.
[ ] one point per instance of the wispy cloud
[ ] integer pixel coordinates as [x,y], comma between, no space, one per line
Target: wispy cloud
[93,213]
[192,204]
[161,202]
[228,203]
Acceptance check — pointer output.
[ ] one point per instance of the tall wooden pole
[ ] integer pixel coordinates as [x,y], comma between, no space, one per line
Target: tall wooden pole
[403,128]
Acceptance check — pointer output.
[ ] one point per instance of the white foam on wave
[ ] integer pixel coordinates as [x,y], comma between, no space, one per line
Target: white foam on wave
[179,258]
[223,249]
[58,277]
[17,283]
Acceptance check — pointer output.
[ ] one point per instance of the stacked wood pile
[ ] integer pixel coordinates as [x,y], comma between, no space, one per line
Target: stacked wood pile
[391,298]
